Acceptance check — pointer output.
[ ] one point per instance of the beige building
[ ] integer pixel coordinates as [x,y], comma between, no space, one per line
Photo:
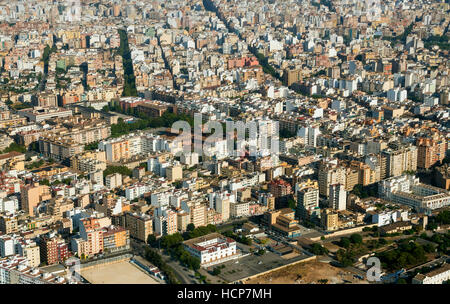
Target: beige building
[8,224]
[140,226]
[183,219]
[12,161]
[330,219]
[198,214]
[32,195]
[174,173]
[329,174]
[31,252]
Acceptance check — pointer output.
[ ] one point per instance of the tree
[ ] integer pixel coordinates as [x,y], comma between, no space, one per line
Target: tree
[151,240]
[344,242]
[216,271]
[356,238]
[117,169]
[190,227]
[318,249]
[15,147]
[291,203]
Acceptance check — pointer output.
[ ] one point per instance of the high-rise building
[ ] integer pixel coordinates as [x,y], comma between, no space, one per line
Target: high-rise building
[430,151]
[32,195]
[52,250]
[307,199]
[140,226]
[330,173]
[338,197]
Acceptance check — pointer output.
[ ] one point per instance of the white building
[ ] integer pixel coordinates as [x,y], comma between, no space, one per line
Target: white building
[135,191]
[212,249]
[407,190]
[7,246]
[338,197]
[113,181]
[389,217]
[437,276]
[309,135]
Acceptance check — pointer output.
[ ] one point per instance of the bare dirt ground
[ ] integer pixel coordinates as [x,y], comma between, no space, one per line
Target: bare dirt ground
[117,273]
[307,273]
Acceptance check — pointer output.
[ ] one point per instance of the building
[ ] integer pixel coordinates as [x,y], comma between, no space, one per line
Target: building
[38,114]
[330,173]
[140,226]
[58,147]
[174,173]
[183,219]
[113,181]
[15,270]
[396,227]
[282,221]
[12,161]
[32,195]
[166,222]
[329,219]
[212,249]
[436,276]
[31,251]
[8,224]
[197,212]
[52,250]
[338,197]
[239,209]
[115,239]
[91,231]
[430,151]
[407,190]
[307,199]
[7,246]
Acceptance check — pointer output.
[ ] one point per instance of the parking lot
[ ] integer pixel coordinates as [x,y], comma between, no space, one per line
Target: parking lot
[253,264]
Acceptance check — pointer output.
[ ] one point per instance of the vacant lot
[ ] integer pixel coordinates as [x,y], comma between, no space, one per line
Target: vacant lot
[307,273]
[118,273]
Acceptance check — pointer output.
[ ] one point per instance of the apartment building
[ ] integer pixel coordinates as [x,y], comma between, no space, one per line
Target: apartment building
[113,181]
[52,250]
[8,224]
[329,219]
[59,148]
[338,197]
[330,173]
[430,151]
[32,195]
[140,226]
[116,239]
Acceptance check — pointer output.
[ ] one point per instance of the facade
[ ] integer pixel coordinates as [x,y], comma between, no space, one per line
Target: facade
[140,226]
[407,190]
[437,276]
[330,174]
[115,239]
[32,195]
[15,270]
[282,222]
[338,197]
[52,250]
[212,249]
[430,151]
[113,181]
[330,219]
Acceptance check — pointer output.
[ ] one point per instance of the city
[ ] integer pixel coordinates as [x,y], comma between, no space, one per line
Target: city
[263,142]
